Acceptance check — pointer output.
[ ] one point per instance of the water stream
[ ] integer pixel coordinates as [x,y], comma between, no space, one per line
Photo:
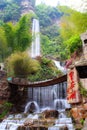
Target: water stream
[40,99]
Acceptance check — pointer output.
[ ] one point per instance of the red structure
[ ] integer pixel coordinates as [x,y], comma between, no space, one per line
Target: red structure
[73,94]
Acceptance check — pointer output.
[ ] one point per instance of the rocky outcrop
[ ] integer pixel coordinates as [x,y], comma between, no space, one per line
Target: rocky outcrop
[50,113]
[4,89]
[32,128]
[18,96]
[26,7]
[64,128]
[79,114]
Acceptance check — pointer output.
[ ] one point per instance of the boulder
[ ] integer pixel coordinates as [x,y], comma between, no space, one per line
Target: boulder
[78,113]
[64,128]
[28,122]
[51,113]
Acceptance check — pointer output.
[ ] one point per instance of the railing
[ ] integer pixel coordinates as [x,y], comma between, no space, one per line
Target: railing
[25,83]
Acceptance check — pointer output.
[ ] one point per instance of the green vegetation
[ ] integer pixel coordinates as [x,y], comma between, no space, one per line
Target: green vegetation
[9,11]
[46,71]
[73,44]
[21,65]
[47,14]
[5,109]
[3,45]
[15,37]
[19,35]
[49,18]
[83,91]
[82,121]
[73,23]
[60,31]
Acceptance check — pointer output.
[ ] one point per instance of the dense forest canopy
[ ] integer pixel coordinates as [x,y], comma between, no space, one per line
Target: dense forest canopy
[10,10]
[61,37]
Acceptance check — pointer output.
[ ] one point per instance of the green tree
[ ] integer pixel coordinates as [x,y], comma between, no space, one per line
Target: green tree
[49,17]
[73,23]
[74,43]
[18,36]
[10,11]
[3,45]
[47,13]
[23,34]
[9,30]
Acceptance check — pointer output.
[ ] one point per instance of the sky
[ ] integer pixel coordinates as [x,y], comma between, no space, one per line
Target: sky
[51,2]
[72,3]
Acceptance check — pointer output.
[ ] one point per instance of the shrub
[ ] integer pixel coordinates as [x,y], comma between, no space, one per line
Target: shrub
[21,65]
[74,43]
[5,109]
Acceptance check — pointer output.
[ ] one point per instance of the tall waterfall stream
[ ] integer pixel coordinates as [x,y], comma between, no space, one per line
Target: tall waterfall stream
[35,47]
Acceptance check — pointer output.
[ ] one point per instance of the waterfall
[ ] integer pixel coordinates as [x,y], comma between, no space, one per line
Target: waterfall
[35,47]
[51,96]
[57,63]
[31,107]
[40,99]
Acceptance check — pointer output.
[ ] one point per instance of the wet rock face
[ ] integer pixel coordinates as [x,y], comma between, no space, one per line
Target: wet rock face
[79,113]
[32,108]
[32,128]
[17,98]
[76,113]
[51,113]
[4,88]
[64,128]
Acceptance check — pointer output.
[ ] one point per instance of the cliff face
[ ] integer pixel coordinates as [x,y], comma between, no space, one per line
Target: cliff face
[14,9]
[27,6]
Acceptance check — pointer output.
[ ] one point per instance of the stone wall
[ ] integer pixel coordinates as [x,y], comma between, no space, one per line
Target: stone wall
[4,89]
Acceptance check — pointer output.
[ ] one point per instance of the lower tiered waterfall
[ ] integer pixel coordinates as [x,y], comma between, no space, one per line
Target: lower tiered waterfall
[50,96]
[39,100]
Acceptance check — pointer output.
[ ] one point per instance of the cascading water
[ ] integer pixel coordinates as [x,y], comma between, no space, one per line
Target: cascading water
[57,63]
[48,96]
[33,106]
[35,47]
[42,98]
[52,97]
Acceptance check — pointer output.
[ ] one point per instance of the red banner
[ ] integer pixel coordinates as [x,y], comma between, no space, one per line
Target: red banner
[73,94]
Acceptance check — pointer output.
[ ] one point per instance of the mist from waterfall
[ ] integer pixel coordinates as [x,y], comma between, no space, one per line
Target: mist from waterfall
[35,47]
